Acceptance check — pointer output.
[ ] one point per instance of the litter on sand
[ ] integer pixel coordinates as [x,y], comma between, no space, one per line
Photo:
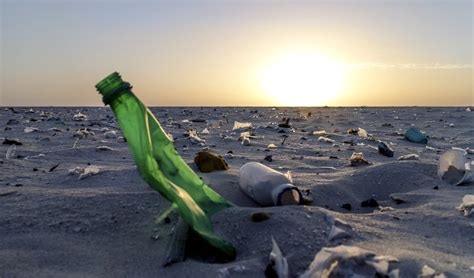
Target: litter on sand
[467,205]
[84,172]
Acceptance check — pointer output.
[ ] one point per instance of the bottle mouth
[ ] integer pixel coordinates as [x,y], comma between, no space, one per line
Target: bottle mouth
[289,196]
[111,87]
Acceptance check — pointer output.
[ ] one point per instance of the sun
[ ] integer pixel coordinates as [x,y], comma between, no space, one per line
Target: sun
[302,79]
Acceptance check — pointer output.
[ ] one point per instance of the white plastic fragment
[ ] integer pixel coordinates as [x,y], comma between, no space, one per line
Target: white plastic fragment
[79,117]
[241,125]
[11,152]
[350,261]
[325,140]
[246,142]
[194,138]
[320,132]
[454,168]
[271,146]
[104,148]
[110,134]
[410,156]
[84,172]
[205,131]
[30,129]
[467,205]
[279,262]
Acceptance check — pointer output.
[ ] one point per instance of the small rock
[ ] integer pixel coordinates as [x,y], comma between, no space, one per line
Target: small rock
[357,159]
[370,203]
[347,206]
[208,162]
[268,158]
[13,122]
[384,149]
[12,142]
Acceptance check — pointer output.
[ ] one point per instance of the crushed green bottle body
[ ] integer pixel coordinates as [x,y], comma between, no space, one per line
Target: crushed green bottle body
[160,165]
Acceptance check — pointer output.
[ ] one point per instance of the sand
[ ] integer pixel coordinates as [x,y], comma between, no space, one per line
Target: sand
[53,224]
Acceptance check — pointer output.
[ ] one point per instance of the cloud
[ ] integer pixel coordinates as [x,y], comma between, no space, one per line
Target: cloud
[411,66]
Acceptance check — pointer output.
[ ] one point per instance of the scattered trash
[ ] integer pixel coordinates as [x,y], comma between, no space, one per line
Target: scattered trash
[268,158]
[428,272]
[83,133]
[271,146]
[415,135]
[11,152]
[84,172]
[339,230]
[278,266]
[320,133]
[351,261]
[384,149]
[244,135]
[35,156]
[227,272]
[30,129]
[205,131]
[454,168]
[110,134]
[467,205]
[268,187]
[208,162]
[285,124]
[12,142]
[79,117]
[246,142]
[468,109]
[410,156]
[357,159]
[240,125]
[193,137]
[359,132]
[326,140]
[104,148]
[53,168]
[198,120]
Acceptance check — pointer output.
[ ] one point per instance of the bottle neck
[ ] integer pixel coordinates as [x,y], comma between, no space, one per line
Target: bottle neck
[112,87]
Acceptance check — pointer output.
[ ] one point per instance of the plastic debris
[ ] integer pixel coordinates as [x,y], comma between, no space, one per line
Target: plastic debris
[205,131]
[79,117]
[246,142]
[410,156]
[428,272]
[359,132]
[467,205]
[83,133]
[244,135]
[193,137]
[339,230]
[11,152]
[104,148]
[268,187]
[271,146]
[320,132]
[85,172]
[30,129]
[454,168]
[384,149]
[241,125]
[110,134]
[208,162]
[326,140]
[415,135]
[278,264]
[351,261]
[357,159]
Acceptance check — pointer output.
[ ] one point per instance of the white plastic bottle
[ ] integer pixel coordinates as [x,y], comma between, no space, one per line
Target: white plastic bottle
[268,187]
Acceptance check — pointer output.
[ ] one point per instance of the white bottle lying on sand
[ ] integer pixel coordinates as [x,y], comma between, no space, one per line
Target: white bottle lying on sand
[268,187]
[454,168]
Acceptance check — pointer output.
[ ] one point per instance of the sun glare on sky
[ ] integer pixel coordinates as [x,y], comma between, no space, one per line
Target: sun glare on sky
[302,79]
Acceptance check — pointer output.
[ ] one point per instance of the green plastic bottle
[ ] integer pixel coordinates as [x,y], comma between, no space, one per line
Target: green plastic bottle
[160,165]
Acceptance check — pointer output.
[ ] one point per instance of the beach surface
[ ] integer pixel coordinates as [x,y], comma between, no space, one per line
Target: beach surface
[56,223]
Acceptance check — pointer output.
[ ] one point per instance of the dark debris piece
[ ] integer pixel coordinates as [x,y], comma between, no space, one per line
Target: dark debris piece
[370,203]
[12,142]
[346,206]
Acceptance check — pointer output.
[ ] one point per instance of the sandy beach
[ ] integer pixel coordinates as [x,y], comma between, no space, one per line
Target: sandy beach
[56,223]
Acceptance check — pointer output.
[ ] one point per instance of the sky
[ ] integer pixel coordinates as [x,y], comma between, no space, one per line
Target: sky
[239,53]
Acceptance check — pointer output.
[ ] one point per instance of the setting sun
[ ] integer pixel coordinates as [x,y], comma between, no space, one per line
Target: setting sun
[302,79]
